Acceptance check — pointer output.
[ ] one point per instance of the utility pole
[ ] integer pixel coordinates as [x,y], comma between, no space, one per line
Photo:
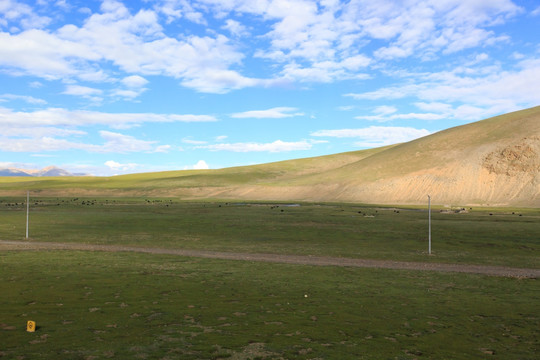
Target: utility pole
[429,225]
[27,211]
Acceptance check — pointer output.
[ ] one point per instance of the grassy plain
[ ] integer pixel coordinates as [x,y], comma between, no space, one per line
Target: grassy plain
[140,306]
[91,305]
[358,231]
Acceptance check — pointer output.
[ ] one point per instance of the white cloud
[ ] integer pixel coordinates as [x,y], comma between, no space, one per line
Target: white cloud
[219,81]
[134,81]
[193,142]
[481,92]
[177,9]
[37,145]
[127,94]
[39,53]
[438,107]
[326,71]
[26,98]
[120,143]
[323,43]
[276,146]
[307,41]
[84,91]
[273,113]
[375,136]
[14,13]
[192,118]
[134,43]
[201,165]
[113,143]
[235,28]
[163,149]
[35,84]
[38,131]
[57,130]
[116,166]
[64,117]
[425,28]
[518,56]
[389,93]
[385,110]
[63,4]
[408,116]
[11,165]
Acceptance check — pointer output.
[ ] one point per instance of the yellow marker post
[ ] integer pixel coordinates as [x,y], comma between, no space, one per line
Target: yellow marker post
[31,326]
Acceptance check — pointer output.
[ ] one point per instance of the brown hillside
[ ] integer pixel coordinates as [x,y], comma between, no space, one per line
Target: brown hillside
[492,162]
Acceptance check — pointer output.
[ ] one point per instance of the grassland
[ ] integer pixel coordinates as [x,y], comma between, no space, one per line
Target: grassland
[129,306]
[91,305]
[506,237]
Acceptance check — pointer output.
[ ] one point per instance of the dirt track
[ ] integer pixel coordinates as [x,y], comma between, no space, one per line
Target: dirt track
[287,259]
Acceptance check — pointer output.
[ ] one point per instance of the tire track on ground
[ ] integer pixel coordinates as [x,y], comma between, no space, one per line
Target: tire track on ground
[285,259]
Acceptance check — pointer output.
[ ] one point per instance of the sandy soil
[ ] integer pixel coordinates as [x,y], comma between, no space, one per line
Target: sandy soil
[287,259]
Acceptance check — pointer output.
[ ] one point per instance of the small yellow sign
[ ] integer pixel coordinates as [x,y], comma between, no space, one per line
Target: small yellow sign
[31,326]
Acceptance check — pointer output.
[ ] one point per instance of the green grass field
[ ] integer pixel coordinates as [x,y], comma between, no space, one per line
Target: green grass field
[129,306]
[358,231]
[94,305]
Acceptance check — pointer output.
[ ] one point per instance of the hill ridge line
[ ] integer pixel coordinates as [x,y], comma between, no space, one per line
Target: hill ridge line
[500,271]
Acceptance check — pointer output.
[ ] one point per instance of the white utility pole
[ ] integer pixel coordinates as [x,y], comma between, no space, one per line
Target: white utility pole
[429,224]
[27,211]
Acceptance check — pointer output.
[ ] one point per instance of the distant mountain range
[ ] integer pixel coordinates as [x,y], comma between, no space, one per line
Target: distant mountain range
[48,171]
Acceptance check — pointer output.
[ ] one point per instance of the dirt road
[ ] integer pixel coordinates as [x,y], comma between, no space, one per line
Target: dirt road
[286,259]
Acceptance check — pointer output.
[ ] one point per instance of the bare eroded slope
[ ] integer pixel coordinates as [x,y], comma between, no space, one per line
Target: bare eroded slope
[491,162]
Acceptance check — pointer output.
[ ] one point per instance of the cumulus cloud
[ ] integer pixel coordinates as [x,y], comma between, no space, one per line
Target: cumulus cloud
[134,43]
[15,14]
[467,94]
[305,41]
[116,166]
[201,165]
[127,94]
[134,81]
[424,29]
[235,27]
[84,91]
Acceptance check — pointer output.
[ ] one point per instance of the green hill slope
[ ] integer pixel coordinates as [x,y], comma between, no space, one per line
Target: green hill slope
[490,162]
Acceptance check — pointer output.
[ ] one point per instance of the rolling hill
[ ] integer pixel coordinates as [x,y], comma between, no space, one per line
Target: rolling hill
[493,162]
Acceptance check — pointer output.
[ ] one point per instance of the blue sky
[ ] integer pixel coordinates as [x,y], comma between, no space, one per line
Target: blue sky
[111,87]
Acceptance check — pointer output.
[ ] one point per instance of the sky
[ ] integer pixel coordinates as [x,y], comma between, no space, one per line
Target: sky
[115,87]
